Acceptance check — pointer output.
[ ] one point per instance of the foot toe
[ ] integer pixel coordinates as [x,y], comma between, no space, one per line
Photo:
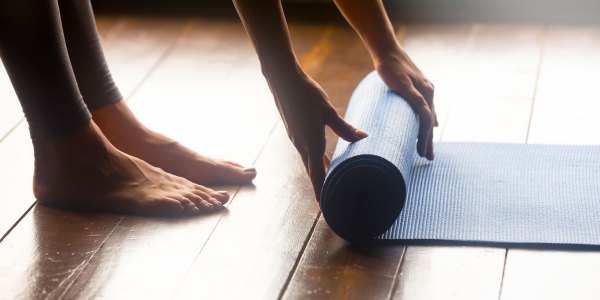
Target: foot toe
[216,203]
[164,206]
[239,175]
[221,196]
[206,204]
[233,163]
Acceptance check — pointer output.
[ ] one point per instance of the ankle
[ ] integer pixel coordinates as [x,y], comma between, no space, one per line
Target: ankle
[76,149]
[117,120]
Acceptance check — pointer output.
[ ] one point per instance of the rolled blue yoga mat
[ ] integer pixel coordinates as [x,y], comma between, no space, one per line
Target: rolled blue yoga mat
[377,189]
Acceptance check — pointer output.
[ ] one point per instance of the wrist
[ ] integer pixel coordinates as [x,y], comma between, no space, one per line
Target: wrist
[284,76]
[390,53]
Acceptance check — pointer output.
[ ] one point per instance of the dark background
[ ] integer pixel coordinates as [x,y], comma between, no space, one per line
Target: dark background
[569,11]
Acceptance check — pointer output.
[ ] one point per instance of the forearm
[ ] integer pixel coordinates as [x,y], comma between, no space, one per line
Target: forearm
[370,21]
[265,24]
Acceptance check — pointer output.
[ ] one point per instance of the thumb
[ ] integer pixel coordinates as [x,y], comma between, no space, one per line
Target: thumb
[343,129]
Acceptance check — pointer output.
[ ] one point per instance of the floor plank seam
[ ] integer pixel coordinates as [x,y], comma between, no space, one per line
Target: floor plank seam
[115,28]
[264,146]
[187,28]
[191,265]
[11,130]
[258,155]
[85,263]
[397,275]
[297,262]
[470,42]
[503,273]
[537,82]
[18,221]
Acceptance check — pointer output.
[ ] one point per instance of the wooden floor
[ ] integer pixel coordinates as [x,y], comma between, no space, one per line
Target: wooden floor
[198,80]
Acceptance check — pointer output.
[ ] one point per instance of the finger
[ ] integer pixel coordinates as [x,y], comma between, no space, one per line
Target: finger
[430,155]
[343,129]
[421,108]
[435,118]
[427,89]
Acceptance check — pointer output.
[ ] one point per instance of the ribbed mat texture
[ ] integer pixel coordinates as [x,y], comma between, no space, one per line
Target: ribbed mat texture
[473,193]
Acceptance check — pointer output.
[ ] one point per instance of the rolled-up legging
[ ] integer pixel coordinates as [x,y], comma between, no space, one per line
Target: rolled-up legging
[53,57]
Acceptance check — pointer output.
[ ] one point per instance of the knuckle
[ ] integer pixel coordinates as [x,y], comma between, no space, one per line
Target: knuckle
[429,85]
[429,89]
[425,116]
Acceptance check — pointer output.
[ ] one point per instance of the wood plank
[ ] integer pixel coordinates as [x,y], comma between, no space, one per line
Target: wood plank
[16,163]
[567,101]
[11,112]
[56,279]
[106,23]
[565,112]
[492,102]
[332,269]
[211,77]
[450,273]
[497,85]
[48,249]
[538,274]
[257,243]
[136,45]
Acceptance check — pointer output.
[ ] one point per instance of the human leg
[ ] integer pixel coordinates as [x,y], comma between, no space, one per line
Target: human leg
[117,121]
[75,165]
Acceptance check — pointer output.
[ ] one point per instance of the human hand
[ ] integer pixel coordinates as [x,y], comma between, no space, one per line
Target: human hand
[404,78]
[306,110]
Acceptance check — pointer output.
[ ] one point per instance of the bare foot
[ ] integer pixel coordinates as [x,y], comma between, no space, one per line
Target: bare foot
[123,130]
[83,170]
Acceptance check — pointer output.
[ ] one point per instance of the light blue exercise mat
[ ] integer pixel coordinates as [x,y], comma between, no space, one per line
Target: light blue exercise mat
[472,193]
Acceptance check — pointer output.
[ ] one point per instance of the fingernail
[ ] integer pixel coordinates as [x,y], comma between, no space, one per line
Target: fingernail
[360,134]
[195,210]
[223,192]
[249,170]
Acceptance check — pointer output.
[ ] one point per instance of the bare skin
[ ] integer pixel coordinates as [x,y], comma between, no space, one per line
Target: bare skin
[84,170]
[125,132]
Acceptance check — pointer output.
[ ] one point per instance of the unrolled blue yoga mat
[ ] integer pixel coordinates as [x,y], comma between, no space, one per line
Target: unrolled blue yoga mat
[473,193]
